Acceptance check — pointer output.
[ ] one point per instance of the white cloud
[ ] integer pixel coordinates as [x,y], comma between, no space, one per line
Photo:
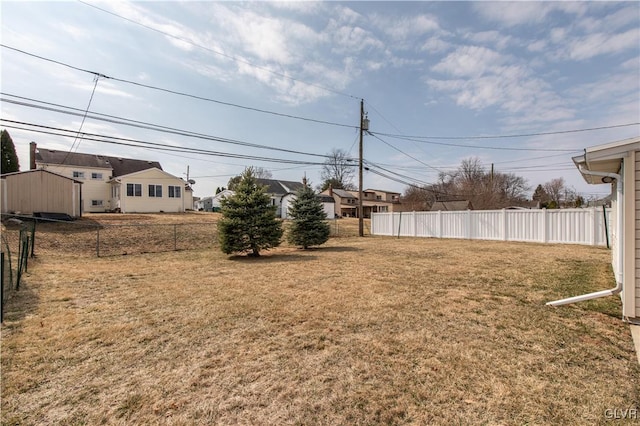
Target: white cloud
[557,35]
[524,12]
[348,39]
[537,46]
[469,61]
[493,38]
[612,22]
[73,30]
[435,45]
[103,87]
[403,28]
[600,43]
[484,79]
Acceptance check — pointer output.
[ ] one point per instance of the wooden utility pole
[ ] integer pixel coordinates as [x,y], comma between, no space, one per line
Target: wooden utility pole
[360,209]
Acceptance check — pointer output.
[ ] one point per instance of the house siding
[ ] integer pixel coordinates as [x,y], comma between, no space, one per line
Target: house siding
[92,189]
[39,191]
[636,251]
[146,204]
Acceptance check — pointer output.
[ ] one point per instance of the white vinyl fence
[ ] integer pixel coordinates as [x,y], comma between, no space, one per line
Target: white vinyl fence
[566,226]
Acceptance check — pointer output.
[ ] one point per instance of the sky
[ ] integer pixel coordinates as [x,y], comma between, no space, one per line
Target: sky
[279,85]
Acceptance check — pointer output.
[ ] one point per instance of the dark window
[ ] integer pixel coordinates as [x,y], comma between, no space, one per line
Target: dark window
[134,190]
[155,190]
[174,192]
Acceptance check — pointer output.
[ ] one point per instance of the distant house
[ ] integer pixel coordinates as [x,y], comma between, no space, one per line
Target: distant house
[346,204]
[282,193]
[452,206]
[204,204]
[215,200]
[329,205]
[373,201]
[41,191]
[115,183]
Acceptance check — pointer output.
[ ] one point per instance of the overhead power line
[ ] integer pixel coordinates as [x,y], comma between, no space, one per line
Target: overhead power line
[56,131]
[404,153]
[48,106]
[184,94]
[502,148]
[84,117]
[520,135]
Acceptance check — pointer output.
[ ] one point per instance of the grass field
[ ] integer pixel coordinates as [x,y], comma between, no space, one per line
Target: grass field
[360,331]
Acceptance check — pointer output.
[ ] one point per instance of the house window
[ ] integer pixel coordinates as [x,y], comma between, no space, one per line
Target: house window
[155,190]
[96,203]
[78,175]
[96,176]
[174,192]
[134,190]
[378,197]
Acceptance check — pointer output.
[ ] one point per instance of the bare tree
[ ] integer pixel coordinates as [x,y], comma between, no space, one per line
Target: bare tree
[262,173]
[338,171]
[418,199]
[257,172]
[484,189]
[559,194]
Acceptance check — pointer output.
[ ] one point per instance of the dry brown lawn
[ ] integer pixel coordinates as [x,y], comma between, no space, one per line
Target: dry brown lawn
[361,331]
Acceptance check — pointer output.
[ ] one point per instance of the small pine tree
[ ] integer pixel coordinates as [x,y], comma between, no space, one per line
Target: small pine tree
[248,222]
[9,158]
[308,226]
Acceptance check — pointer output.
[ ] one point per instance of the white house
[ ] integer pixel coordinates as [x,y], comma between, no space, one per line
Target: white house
[148,191]
[116,184]
[215,200]
[281,193]
[618,164]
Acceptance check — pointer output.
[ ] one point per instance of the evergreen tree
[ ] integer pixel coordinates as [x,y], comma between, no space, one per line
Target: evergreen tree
[308,226]
[248,222]
[9,158]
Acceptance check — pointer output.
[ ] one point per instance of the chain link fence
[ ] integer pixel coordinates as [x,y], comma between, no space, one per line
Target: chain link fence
[98,238]
[16,247]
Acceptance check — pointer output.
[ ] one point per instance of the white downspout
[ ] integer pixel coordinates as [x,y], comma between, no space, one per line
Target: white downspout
[619,236]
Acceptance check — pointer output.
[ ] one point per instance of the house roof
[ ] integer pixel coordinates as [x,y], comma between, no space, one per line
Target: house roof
[280,187]
[223,194]
[343,194]
[120,166]
[147,170]
[452,205]
[324,198]
[605,158]
[381,190]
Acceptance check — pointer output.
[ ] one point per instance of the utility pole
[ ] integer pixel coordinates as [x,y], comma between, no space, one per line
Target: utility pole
[360,193]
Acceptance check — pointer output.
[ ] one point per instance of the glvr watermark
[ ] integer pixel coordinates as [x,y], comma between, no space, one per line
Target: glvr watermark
[621,414]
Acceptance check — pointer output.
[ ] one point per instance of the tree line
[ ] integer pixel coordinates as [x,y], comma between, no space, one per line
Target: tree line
[488,190]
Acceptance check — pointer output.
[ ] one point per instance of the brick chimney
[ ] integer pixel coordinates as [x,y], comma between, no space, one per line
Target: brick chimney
[331,190]
[32,155]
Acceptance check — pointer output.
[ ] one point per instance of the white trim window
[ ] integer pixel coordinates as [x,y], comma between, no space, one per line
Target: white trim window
[175,191]
[96,203]
[78,174]
[134,190]
[96,176]
[155,191]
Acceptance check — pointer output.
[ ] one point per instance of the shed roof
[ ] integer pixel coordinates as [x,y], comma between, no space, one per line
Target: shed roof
[39,171]
[452,205]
